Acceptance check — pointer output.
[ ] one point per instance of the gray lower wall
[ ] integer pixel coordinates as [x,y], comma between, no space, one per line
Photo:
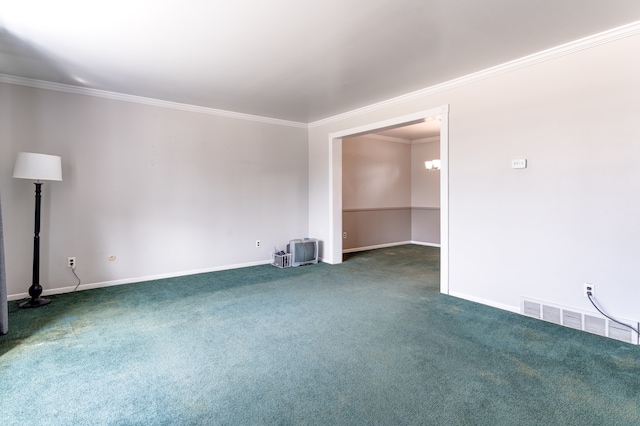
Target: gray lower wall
[425,225]
[373,227]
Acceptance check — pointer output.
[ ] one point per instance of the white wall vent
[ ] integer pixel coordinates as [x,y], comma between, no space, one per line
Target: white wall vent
[590,322]
[531,309]
[595,325]
[572,319]
[551,314]
[620,332]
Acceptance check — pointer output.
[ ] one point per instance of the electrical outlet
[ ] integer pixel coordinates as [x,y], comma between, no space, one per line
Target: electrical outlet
[257,243]
[589,288]
[71,262]
[344,235]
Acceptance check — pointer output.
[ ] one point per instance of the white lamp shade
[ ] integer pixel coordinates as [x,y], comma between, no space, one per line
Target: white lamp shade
[436,164]
[37,166]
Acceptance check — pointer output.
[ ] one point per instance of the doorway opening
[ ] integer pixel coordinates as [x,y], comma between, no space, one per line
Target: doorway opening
[334,247]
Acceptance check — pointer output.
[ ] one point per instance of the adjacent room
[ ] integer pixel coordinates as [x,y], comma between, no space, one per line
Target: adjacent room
[391,188]
[339,212]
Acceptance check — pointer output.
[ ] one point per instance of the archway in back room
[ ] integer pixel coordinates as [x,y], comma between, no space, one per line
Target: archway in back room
[334,247]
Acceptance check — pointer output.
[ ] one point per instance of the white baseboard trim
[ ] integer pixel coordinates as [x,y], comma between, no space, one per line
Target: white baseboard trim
[420,243]
[504,307]
[62,290]
[378,246]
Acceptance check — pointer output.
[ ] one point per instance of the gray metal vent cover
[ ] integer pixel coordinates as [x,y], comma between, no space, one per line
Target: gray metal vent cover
[580,320]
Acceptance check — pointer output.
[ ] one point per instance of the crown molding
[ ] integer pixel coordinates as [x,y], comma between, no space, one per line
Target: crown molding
[526,61]
[384,138]
[399,140]
[426,140]
[545,55]
[67,88]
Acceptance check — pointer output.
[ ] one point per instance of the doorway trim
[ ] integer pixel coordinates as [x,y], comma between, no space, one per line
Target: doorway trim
[333,250]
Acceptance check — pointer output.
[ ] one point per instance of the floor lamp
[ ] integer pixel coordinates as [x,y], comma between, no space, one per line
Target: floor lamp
[37,167]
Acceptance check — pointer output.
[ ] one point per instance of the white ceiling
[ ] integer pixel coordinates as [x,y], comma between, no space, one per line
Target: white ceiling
[428,128]
[295,60]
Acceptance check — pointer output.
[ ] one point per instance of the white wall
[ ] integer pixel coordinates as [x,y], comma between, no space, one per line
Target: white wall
[376,173]
[570,217]
[376,192]
[388,195]
[167,191]
[425,192]
[425,185]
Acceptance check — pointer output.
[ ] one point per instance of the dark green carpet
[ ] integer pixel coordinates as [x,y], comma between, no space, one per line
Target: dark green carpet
[367,342]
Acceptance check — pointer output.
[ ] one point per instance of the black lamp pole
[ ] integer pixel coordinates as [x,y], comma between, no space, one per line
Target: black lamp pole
[36,289]
[37,167]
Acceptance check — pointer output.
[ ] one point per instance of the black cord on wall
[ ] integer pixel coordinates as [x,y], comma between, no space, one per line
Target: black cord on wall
[614,320]
[74,273]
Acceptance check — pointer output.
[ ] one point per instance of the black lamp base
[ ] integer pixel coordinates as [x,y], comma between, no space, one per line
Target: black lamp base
[34,303]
